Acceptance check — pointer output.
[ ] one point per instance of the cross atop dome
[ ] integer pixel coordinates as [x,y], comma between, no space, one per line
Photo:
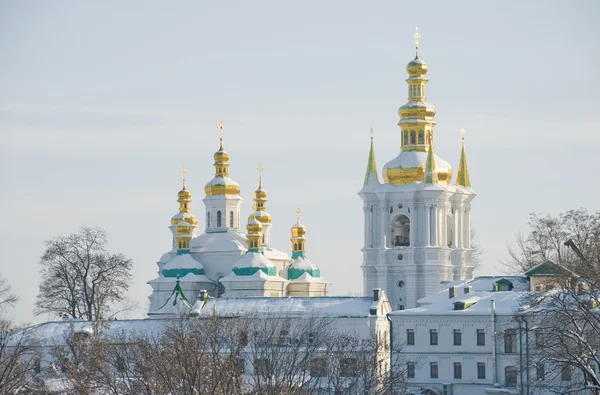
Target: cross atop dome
[184,173]
[417,37]
[298,214]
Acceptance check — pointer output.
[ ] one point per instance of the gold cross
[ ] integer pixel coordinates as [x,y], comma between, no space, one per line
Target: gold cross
[260,169]
[221,128]
[184,172]
[417,36]
[462,132]
[298,214]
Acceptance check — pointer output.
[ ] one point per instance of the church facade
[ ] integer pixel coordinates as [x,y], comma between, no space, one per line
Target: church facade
[221,259]
[416,222]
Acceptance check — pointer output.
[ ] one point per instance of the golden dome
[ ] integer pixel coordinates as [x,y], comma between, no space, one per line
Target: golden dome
[254,227]
[260,199]
[221,184]
[416,67]
[184,198]
[409,167]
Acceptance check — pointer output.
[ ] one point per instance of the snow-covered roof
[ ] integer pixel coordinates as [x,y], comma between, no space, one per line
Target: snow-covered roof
[478,284]
[219,241]
[253,259]
[506,303]
[412,159]
[55,332]
[330,306]
[306,277]
[166,257]
[302,263]
[183,261]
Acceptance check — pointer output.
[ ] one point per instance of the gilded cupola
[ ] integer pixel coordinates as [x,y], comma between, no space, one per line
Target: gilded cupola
[254,235]
[416,131]
[221,184]
[298,237]
[184,198]
[260,200]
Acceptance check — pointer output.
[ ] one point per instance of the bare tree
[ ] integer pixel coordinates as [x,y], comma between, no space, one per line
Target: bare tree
[80,278]
[477,251]
[7,297]
[547,236]
[250,354]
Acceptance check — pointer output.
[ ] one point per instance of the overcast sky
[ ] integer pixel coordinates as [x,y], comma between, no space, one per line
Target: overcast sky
[101,103]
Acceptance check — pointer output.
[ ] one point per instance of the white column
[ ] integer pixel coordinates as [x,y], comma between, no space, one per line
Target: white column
[468,227]
[434,225]
[366,226]
[427,224]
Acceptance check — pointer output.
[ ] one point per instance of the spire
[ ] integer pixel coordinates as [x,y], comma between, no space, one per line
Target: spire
[298,238]
[371,165]
[462,179]
[430,176]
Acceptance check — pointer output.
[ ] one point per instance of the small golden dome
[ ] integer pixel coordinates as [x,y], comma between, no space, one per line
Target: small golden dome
[298,230]
[416,67]
[254,226]
[184,194]
[221,155]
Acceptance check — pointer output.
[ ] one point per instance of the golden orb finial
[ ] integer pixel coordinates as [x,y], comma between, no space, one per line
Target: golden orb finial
[371,134]
[417,37]
[462,133]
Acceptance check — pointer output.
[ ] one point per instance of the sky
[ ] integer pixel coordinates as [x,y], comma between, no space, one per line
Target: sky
[102,103]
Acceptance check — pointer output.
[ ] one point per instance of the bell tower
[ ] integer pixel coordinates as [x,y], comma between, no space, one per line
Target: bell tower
[416,228]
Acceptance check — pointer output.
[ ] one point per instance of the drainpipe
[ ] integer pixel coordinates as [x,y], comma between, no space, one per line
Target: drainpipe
[527,352]
[493,322]
[521,357]
[387,316]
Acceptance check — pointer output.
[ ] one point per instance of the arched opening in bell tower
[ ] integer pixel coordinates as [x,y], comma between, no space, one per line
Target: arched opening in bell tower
[401,231]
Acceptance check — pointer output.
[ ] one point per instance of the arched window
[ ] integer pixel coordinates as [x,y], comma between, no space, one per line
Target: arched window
[421,141]
[510,341]
[208,220]
[218,219]
[401,231]
[413,137]
[295,246]
[220,287]
[231,219]
[405,138]
[419,90]
[428,137]
[510,376]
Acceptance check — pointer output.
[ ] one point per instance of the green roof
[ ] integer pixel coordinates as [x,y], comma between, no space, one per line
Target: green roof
[547,268]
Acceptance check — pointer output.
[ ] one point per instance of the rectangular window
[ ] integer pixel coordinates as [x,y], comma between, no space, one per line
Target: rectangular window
[510,341]
[433,370]
[481,370]
[565,372]
[410,370]
[457,370]
[457,337]
[540,371]
[480,337]
[318,367]
[410,337]
[262,367]
[433,337]
[348,367]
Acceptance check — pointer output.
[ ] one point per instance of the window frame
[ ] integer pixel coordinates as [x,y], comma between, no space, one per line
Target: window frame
[433,332]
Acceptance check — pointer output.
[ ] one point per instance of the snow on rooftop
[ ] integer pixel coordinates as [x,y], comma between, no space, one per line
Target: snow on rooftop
[220,241]
[507,303]
[306,277]
[183,261]
[253,259]
[330,306]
